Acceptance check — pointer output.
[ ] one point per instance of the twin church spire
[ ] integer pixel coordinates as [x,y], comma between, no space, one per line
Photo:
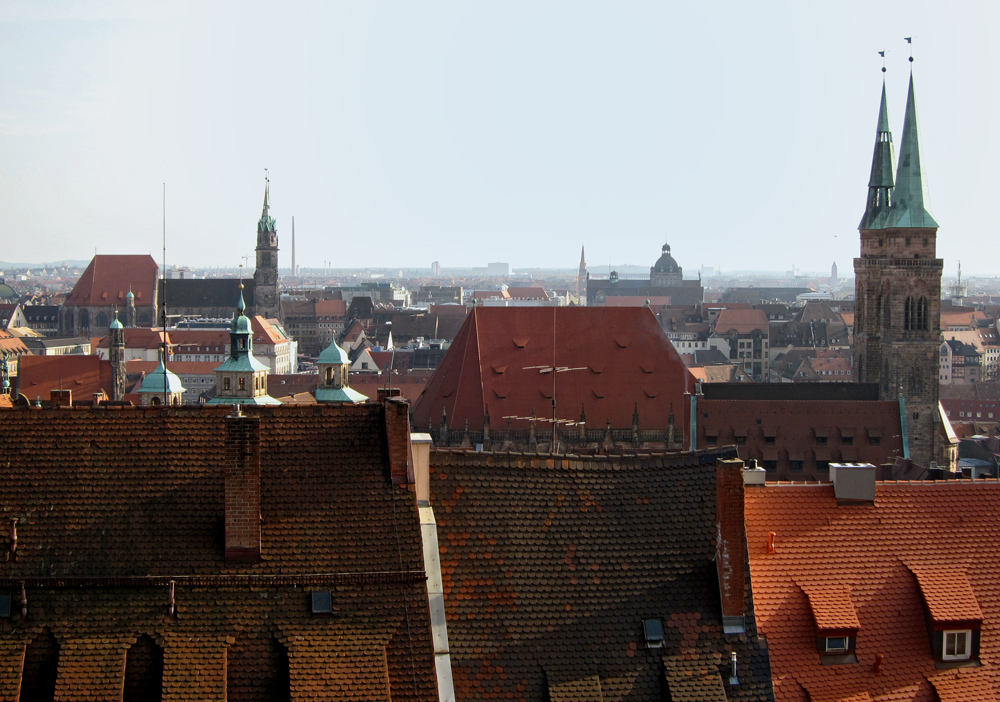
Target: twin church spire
[900,202]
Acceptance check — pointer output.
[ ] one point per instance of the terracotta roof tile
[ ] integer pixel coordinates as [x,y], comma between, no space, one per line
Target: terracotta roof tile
[107,279]
[948,594]
[831,606]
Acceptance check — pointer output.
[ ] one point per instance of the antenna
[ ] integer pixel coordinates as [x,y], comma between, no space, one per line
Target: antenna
[295,270]
[163,315]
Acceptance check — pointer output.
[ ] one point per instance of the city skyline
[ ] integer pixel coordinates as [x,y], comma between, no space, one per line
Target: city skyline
[400,135]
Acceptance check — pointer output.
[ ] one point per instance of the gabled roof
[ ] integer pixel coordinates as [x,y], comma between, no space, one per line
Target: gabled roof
[183,293]
[890,557]
[551,565]
[108,278]
[616,359]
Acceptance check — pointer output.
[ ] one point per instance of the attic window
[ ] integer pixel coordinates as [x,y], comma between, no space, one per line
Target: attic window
[653,629]
[322,602]
[4,606]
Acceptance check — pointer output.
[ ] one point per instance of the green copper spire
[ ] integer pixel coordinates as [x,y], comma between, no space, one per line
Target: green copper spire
[266,223]
[910,196]
[880,183]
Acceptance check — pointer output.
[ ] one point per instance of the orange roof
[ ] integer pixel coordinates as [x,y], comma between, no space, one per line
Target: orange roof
[331,308]
[264,332]
[872,553]
[178,367]
[38,376]
[531,293]
[108,278]
[831,605]
[742,321]
[139,338]
[948,594]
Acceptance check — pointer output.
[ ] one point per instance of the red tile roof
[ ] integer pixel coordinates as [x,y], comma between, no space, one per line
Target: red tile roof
[831,605]
[617,359]
[141,338]
[38,376]
[873,550]
[114,505]
[741,321]
[106,281]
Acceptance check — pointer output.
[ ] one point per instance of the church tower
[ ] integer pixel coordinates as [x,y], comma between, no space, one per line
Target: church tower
[898,287]
[267,301]
[116,354]
[241,379]
[581,279]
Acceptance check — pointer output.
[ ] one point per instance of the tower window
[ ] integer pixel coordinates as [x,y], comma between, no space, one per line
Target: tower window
[907,241]
[243,383]
[226,385]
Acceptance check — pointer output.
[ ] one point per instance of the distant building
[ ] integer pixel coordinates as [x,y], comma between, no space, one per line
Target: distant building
[666,280]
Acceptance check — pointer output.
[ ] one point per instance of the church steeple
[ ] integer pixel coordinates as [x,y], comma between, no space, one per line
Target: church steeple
[266,297]
[242,379]
[880,184]
[909,208]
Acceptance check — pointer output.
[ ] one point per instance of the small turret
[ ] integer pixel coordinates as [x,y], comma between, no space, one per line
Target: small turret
[241,379]
[333,365]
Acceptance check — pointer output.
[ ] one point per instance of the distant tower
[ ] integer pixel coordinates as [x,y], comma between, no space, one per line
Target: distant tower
[267,302]
[295,268]
[116,353]
[833,273]
[241,379]
[130,309]
[959,291]
[581,279]
[898,286]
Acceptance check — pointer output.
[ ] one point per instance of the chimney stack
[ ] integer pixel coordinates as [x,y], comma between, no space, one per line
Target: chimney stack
[397,434]
[61,398]
[731,551]
[242,476]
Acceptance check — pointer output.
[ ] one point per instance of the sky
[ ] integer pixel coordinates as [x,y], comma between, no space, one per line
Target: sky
[401,133]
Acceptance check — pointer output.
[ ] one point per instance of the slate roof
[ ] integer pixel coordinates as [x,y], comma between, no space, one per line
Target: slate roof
[209,292]
[107,279]
[113,504]
[550,566]
[621,359]
[890,558]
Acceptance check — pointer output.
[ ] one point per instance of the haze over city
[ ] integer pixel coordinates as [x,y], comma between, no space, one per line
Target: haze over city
[399,134]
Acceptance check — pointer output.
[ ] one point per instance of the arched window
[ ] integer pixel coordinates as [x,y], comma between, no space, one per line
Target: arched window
[257,671]
[41,666]
[922,316]
[908,314]
[143,671]
[243,383]
[156,400]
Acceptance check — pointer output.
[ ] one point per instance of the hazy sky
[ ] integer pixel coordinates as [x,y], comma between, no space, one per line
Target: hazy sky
[398,133]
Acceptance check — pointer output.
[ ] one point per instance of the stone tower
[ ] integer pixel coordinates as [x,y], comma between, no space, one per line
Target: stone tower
[581,279]
[898,287]
[267,301]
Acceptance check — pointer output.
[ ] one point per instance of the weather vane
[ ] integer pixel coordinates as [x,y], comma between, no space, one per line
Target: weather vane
[882,54]
[909,40]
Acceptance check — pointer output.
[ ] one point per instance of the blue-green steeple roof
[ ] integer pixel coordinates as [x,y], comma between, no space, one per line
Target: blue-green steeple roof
[115,324]
[880,183]
[266,223]
[241,342]
[909,207]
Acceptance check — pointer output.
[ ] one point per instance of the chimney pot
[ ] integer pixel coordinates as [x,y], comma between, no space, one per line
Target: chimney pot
[731,551]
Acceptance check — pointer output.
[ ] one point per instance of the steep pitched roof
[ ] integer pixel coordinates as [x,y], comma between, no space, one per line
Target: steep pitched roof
[209,292]
[115,505]
[550,567]
[108,278]
[909,208]
[85,375]
[891,559]
[616,359]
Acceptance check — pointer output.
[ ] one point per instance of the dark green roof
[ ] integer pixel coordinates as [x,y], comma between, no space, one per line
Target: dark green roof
[880,183]
[910,196]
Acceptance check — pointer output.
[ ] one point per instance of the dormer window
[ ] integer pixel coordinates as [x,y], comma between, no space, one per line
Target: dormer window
[837,644]
[957,645]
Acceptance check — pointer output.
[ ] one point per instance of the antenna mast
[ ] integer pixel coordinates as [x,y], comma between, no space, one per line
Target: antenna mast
[163,315]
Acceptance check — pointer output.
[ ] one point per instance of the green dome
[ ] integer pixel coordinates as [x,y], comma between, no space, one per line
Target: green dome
[115,324]
[241,325]
[161,380]
[333,354]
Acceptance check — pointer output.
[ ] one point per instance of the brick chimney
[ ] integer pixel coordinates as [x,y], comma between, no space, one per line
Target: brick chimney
[242,475]
[731,549]
[61,398]
[397,434]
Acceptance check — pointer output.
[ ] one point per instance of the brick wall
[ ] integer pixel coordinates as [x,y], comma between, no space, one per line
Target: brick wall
[397,433]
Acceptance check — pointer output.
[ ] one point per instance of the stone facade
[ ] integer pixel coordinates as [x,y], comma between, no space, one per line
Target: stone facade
[267,301]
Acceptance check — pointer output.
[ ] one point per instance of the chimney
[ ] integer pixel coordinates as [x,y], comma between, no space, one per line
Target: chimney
[385,393]
[853,482]
[731,551]
[61,398]
[420,446]
[397,434]
[242,475]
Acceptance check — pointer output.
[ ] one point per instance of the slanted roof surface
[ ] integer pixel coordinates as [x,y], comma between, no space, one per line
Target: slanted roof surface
[114,503]
[550,566]
[107,279]
[617,359]
[741,321]
[948,593]
[874,550]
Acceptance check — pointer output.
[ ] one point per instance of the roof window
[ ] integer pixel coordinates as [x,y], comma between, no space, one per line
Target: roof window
[653,629]
[957,645]
[322,602]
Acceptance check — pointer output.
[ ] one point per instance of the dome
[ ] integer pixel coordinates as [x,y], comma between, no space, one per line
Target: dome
[115,324]
[666,263]
[333,354]
[161,380]
[130,295]
[241,325]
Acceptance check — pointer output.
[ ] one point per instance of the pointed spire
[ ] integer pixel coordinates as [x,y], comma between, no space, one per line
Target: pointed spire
[267,193]
[880,183]
[910,197]
[583,258]
[241,304]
